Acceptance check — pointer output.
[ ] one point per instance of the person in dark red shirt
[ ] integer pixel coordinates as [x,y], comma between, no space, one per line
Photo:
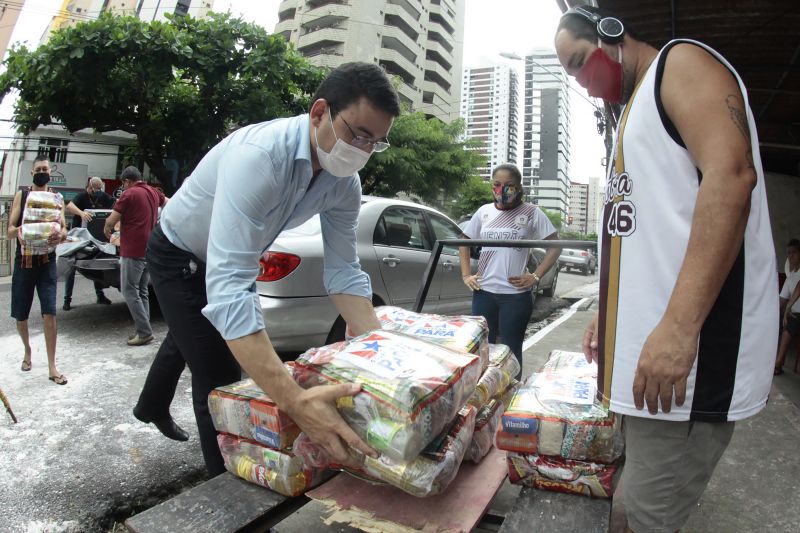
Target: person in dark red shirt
[137,212]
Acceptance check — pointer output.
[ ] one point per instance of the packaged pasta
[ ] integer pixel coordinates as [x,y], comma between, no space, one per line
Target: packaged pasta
[244,410]
[410,389]
[277,470]
[556,413]
[561,475]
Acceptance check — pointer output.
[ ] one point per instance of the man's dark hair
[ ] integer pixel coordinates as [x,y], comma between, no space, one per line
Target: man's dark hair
[794,243]
[582,28]
[41,157]
[350,81]
[511,169]
[131,174]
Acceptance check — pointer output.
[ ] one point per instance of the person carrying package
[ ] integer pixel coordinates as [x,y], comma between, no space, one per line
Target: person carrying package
[687,306]
[37,223]
[204,254]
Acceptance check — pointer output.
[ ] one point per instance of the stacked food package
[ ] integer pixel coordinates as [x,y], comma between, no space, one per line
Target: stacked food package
[460,333]
[410,389]
[561,475]
[256,438]
[280,471]
[556,418]
[486,423]
[41,217]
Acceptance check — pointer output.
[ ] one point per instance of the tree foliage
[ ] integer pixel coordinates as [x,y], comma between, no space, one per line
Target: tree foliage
[475,193]
[554,217]
[427,158]
[179,86]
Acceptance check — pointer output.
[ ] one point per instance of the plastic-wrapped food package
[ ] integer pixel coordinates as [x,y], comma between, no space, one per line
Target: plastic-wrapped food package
[41,216]
[431,472]
[244,410]
[461,333]
[556,412]
[561,475]
[410,389]
[280,471]
[503,367]
[486,422]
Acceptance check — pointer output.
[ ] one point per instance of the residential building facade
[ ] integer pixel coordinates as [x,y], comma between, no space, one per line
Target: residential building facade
[578,218]
[545,136]
[489,98]
[594,205]
[420,41]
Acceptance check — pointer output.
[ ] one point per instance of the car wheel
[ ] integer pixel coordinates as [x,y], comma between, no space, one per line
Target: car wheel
[551,290]
[337,331]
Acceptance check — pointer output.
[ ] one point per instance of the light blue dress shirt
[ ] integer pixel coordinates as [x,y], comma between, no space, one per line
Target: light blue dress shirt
[243,193]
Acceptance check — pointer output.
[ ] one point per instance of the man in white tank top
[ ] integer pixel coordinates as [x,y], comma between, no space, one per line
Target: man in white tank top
[685,335]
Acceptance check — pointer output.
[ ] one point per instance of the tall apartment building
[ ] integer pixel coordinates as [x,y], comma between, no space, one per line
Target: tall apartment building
[8,21]
[545,138]
[420,41]
[585,203]
[578,218]
[594,205]
[489,97]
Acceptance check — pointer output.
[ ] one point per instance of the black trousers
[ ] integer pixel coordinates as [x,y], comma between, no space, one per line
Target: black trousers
[178,279]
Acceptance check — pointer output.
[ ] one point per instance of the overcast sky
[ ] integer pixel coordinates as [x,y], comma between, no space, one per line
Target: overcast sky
[491,27]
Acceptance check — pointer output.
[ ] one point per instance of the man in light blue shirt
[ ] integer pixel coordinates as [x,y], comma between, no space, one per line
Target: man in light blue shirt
[204,255]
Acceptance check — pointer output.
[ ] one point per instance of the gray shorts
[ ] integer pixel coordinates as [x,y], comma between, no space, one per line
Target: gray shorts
[667,468]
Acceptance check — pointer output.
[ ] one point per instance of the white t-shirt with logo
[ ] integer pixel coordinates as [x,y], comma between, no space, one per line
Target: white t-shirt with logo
[496,265]
[792,277]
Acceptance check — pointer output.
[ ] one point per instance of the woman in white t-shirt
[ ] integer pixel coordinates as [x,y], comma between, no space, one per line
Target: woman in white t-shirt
[502,285]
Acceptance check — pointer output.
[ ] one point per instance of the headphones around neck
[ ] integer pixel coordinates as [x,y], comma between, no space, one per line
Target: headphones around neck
[609,29]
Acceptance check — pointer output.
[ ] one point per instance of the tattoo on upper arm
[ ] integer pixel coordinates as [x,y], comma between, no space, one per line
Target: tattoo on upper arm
[739,117]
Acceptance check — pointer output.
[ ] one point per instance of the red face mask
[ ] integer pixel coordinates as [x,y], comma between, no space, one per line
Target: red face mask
[601,76]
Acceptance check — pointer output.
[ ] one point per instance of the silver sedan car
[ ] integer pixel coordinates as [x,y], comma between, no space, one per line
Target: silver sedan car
[395,240]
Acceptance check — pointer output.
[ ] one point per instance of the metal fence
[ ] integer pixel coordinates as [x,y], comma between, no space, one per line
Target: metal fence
[6,248]
[430,269]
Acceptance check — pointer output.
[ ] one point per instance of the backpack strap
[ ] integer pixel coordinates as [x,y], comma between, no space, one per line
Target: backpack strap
[23,199]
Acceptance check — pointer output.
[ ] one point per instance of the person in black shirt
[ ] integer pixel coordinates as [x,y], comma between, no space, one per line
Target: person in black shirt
[94,197]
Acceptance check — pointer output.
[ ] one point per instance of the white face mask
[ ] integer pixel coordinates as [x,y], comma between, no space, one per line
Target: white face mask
[344,159]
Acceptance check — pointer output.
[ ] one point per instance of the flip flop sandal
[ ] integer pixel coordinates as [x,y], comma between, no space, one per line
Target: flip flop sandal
[59,379]
[25,366]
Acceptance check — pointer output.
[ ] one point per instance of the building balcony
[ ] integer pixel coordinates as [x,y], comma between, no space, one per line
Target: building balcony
[313,4]
[399,17]
[445,21]
[411,7]
[322,23]
[332,9]
[409,95]
[439,92]
[439,36]
[435,56]
[285,28]
[286,5]
[397,65]
[395,39]
[438,73]
[323,48]
[287,14]
[435,100]
[323,37]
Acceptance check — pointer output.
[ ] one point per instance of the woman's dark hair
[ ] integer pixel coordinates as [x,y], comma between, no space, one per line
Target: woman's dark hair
[794,243]
[582,28]
[511,169]
[349,82]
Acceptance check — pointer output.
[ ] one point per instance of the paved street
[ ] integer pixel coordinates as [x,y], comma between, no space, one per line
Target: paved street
[78,456]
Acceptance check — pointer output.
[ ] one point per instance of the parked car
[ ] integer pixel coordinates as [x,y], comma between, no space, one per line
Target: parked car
[547,285]
[395,240]
[583,260]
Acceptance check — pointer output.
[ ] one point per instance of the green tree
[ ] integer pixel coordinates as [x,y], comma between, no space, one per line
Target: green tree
[179,86]
[426,159]
[554,217]
[475,193]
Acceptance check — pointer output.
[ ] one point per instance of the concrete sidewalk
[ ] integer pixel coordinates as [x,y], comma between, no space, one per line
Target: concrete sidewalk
[756,483]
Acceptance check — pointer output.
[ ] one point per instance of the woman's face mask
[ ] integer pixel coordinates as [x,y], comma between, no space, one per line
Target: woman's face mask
[40,179]
[344,159]
[601,76]
[507,196]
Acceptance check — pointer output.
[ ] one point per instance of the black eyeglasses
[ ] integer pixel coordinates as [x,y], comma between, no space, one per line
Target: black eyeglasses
[362,142]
